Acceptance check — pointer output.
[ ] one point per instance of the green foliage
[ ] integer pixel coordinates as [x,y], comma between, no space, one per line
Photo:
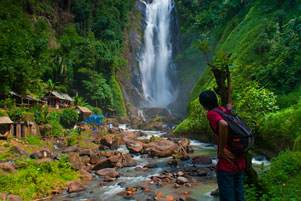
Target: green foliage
[33,140]
[40,115]
[153,138]
[79,101]
[281,181]
[73,138]
[56,129]
[23,49]
[37,180]
[53,116]
[279,130]
[8,103]
[253,102]
[68,117]
[15,114]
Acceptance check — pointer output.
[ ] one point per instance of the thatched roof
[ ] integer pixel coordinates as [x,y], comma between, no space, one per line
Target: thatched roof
[5,120]
[58,95]
[67,97]
[84,109]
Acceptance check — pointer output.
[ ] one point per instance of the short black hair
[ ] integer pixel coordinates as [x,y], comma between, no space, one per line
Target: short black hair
[208,99]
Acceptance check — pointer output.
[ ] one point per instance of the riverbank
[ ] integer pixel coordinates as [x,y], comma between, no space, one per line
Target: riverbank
[87,155]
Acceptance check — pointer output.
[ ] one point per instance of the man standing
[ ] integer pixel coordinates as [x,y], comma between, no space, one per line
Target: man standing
[229,168]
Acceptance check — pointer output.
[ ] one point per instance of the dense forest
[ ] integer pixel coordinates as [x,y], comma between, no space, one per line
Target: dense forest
[79,46]
[71,45]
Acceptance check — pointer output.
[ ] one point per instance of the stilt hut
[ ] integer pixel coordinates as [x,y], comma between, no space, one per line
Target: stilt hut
[83,113]
[6,127]
[53,98]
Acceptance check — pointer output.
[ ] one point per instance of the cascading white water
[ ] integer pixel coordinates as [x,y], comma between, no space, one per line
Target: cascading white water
[156,66]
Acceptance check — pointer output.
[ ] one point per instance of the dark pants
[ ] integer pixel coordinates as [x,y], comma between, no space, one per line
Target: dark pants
[230,185]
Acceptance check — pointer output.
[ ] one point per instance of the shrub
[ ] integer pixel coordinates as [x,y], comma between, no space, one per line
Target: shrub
[37,180]
[57,129]
[15,114]
[8,103]
[68,118]
[279,130]
[53,116]
[40,115]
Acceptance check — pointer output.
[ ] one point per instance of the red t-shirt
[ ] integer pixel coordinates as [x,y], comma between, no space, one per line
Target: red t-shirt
[223,164]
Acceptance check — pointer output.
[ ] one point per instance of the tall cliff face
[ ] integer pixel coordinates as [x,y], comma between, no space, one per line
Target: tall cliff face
[129,77]
[144,52]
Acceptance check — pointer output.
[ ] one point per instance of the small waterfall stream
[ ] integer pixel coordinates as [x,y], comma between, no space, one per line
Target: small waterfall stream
[157,69]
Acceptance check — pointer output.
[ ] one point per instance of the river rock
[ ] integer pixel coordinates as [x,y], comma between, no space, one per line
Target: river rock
[85,152]
[10,197]
[150,166]
[134,146]
[75,161]
[201,160]
[160,148]
[103,163]
[94,158]
[46,153]
[111,141]
[182,180]
[128,161]
[85,159]
[111,172]
[84,175]
[7,167]
[76,186]
[70,149]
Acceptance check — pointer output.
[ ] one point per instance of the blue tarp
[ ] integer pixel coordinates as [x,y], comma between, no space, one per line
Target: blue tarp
[94,119]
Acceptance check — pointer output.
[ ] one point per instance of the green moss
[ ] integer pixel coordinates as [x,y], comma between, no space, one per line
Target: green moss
[118,104]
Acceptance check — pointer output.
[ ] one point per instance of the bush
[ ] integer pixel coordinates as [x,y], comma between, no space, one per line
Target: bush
[8,103]
[40,115]
[15,114]
[280,182]
[53,116]
[279,130]
[57,128]
[68,118]
[37,180]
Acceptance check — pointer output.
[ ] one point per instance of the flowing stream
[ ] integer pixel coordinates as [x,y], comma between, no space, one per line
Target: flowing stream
[158,72]
[130,178]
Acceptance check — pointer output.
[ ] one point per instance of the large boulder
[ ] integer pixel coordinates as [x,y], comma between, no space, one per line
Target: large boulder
[150,113]
[151,125]
[46,153]
[111,172]
[70,149]
[103,162]
[160,148]
[76,186]
[111,141]
[128,161]
[134,146]
[75,161]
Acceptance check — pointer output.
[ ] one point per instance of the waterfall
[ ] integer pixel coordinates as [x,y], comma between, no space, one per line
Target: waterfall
[158,72]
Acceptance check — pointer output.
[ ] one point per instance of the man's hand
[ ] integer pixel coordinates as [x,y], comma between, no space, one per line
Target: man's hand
[226,154]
